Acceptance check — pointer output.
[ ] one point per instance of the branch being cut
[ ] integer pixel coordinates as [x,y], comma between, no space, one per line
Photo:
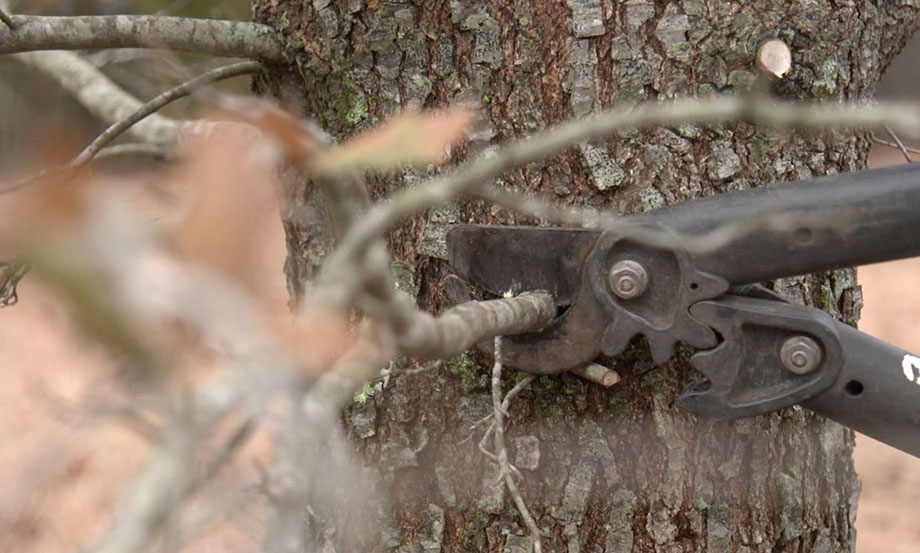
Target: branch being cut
[451,333]
[467,324]
[234,39]
[717,109]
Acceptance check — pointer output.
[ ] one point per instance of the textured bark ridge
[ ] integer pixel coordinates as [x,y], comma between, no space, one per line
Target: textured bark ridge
[616,470]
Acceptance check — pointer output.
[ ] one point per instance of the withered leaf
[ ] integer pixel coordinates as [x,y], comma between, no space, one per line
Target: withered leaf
[409,138]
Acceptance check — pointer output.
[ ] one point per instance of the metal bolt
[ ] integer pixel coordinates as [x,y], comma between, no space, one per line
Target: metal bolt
[628,279]
[800,354]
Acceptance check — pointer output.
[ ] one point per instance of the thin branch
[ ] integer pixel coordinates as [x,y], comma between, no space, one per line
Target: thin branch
[11,272]
[464,325]
[168,477]
[234,39]
[901,146]
[453,332]
[518,388]
[6,19]
[223,454]
[884,142]
[154,105]
[506,403]
[502,454]
[717,109]
[167,129]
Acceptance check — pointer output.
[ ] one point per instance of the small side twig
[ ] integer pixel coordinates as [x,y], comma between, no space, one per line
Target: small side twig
[7,20]
[506,403]
[884,142]
[11,272]
[74,168]
[154,105]
[502,454]
[165,482]
[900,145]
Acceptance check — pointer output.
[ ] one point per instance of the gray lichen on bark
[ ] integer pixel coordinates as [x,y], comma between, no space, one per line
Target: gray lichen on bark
[641,477]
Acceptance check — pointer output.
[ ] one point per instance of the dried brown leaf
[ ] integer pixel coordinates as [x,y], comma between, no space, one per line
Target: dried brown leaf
[316,336]
[233,195]
[409,138]
[289,132]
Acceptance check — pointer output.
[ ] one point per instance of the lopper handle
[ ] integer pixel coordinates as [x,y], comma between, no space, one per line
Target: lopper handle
[877,392]
[801,227]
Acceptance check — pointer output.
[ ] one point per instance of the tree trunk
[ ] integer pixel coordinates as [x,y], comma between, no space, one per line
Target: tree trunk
[617,470]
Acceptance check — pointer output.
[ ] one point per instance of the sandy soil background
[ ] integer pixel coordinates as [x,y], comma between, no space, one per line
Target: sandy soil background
[63,468]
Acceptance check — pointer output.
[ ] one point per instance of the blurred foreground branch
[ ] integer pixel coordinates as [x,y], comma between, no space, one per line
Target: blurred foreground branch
[154,105]
[718,109]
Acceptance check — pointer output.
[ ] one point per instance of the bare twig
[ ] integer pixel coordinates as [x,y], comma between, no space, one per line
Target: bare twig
[506,403]
[502,454]
[390,370]
[223,454]
[131,413]
[901,146]
[204,36]
[518,388]
[167,479]
[467,178]
[154,105]
[884,142]
[166,131]
[6,19]
[11,272]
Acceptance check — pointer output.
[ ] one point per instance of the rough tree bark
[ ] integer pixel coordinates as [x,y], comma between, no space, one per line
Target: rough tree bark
[618,470]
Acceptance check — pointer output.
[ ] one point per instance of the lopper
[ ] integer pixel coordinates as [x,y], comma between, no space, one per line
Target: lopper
[690,273]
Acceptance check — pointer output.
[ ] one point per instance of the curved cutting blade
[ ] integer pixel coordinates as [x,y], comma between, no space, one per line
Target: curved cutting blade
[503,259]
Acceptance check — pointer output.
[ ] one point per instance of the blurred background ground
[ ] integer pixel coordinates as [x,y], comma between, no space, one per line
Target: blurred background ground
[63,465]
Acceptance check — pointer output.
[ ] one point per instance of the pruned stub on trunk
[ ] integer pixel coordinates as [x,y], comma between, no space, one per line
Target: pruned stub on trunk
[620,469]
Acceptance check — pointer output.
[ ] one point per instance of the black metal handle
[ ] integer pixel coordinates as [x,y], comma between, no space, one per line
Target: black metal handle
[801,227]
[877,391]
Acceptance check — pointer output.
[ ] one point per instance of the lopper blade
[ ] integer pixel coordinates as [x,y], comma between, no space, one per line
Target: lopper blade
[502,259]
